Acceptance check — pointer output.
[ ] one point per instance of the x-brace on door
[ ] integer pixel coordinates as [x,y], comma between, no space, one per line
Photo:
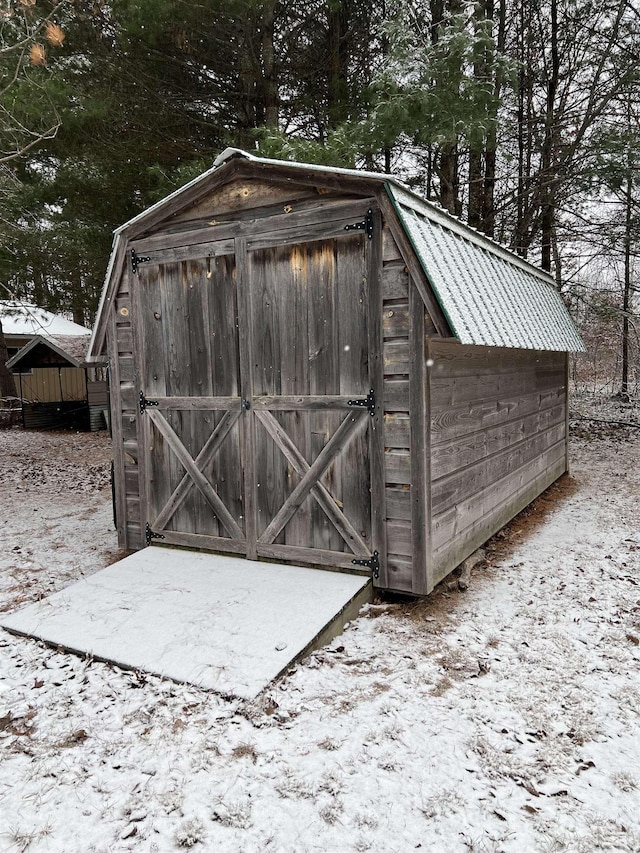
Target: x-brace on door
[260,375]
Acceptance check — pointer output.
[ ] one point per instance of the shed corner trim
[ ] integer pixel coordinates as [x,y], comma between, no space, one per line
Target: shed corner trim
[396,207]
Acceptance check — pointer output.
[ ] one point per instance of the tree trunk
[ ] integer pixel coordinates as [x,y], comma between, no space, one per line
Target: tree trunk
[446,160]
[39,287]
[77,297]
[270,85]
[548,147]
[489,209]
[251,103]
[476,187]
[437,17]
[522,234]
[477,149]
[626,294]
[7,381]
[338,94]
[521,150]
[447,169]
[385,52]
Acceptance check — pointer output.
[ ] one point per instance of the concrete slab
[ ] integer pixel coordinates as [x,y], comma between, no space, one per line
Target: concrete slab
[222,623]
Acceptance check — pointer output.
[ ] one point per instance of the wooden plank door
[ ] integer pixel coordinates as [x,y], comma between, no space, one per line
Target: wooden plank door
[260,377]
[311,399]
[190,401]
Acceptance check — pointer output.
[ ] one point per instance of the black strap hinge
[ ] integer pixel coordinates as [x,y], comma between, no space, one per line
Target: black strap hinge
[149,535]
[137,259]
[368,402]
[366,225]
[372,563]
[144,403]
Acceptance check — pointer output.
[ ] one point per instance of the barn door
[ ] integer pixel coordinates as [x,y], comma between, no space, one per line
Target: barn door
[258,399]
[190,402]
[312,400]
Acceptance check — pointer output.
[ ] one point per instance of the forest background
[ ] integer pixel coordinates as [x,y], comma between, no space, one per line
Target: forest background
[521,117]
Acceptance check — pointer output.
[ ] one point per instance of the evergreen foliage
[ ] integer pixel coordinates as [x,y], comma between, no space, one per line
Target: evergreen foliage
[505,111]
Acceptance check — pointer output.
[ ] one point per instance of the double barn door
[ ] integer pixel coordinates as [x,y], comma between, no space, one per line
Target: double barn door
[257,359]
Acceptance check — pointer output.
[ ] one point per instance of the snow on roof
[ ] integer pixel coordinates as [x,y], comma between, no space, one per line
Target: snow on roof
[490,296]
[22,318]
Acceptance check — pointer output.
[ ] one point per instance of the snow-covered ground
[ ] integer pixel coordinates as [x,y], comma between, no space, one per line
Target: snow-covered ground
[503,718]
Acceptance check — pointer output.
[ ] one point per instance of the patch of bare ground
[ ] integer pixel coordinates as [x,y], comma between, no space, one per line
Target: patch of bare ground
[46,460]
[436,610]
[57,524]
[532,518]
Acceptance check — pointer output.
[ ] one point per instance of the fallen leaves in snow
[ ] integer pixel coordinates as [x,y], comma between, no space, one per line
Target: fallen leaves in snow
[502,718]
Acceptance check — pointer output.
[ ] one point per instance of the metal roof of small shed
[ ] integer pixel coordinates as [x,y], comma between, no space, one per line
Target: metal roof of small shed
[489,295]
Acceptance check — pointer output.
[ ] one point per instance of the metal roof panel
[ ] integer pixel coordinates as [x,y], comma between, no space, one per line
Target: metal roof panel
[490,296]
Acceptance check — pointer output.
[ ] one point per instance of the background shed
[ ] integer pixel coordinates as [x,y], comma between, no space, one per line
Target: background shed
[317,366]
[56,385]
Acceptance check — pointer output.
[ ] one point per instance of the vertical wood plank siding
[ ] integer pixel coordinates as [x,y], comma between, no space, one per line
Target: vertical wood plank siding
[245,345]
[171,339]
[498,426]
[309,333]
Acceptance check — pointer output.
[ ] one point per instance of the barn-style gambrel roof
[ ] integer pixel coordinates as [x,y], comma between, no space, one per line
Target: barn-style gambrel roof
[488,295]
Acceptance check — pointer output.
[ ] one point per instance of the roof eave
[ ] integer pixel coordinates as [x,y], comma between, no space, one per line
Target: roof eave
[15,360]
[97,344]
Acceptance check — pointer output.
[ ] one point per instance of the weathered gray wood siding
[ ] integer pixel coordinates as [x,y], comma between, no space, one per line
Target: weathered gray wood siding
[498,439]
[246,206]
[405,324]
[468,440]
[124,419]
[397,445]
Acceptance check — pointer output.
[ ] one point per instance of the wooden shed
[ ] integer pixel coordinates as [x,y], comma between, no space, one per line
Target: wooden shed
[57,388]
[314,365]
